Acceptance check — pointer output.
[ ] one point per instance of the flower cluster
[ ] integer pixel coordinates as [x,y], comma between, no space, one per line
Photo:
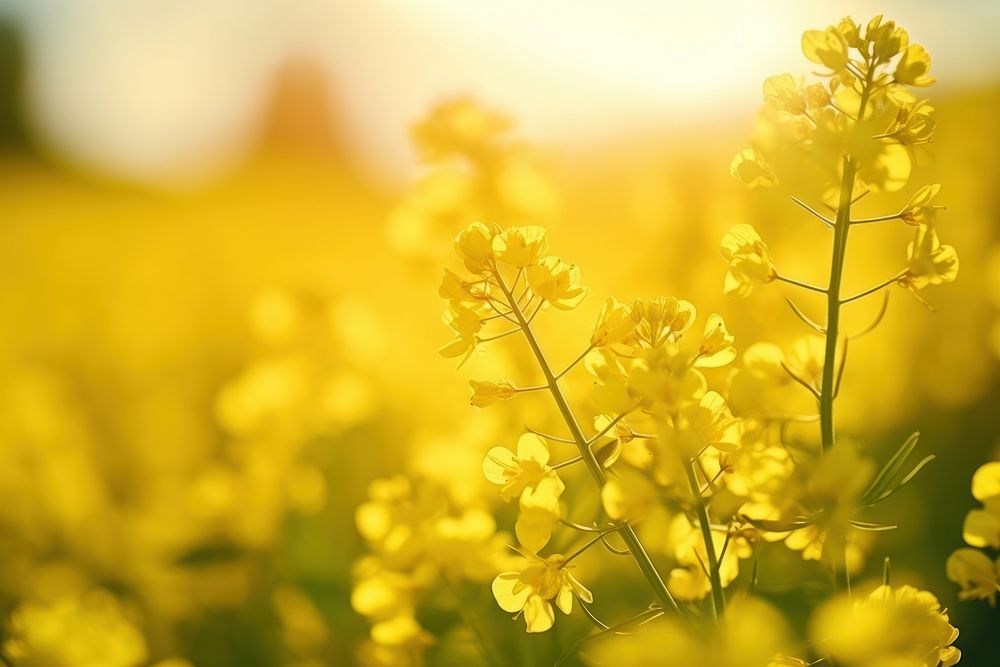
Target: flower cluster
[972,569]
[475,169]
[419,539]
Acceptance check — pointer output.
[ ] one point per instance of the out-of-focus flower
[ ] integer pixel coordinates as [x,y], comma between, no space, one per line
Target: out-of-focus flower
[975,573]
[91,629]
[750,168]
[458,126]
[891,626]
[826,47]
[749,260]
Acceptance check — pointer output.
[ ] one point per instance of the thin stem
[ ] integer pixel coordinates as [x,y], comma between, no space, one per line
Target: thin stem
[825,220]
[574,362]
[794,376]
[567,463]
[718,595]
[881,218]
[799,283]
[840,232]
[579,551]
[628,534]
[553,438]
[872,290]
[509,332]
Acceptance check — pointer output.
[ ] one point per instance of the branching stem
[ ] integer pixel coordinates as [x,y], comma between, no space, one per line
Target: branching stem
[628,534]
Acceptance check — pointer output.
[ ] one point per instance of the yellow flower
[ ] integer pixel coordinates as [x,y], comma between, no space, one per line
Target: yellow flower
[975,573]
[912,69]
[885,38]
[929,262]
[474,245]
[453,288]
[486,393]
[458,126]
[749,260]
[527,470]
[630,496]
[784,93]
[538,515]
[614,324]
[849,29]
[750,168]
[557,282]
[520,246]
[75,630]
[816,96]
[661,320]
[707,422]
[716,347]
[892,626]
[919,210]
[825,47]
[913,125]
[466,323]
[532,590]
[982,527]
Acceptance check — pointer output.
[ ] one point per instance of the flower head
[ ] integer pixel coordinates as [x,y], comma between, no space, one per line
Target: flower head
[525,471]
[826,47]
[474,245]
[486,393]
[749,260]
[533,589]
[929,262]
[975,573]
[557,282]
[716,347]
[614,324]
[520,246]
[749,167]
[920,210]
[892,626]
[912,69]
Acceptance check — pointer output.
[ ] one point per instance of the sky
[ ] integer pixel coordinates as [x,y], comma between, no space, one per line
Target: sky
[160,90]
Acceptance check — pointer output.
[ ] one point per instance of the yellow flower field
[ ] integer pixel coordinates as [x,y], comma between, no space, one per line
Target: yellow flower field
[711,390]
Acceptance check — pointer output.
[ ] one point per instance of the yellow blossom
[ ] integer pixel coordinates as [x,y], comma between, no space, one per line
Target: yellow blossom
[749,260]
[486,393]
[716,347]
[520,246]
[975,573]
[825,47]
[458,126]
[885,38]
[912,69]
[527,470]
[662,319]
[891,626]
[538,514]
[785,93]
[920,210]
[92,629]
[614,324]
[929,262]
[474,245]
[630,495]
[750,168]
[557,282]
[466,323]
[533,589]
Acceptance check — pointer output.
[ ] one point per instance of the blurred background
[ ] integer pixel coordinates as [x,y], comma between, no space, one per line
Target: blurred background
[219,258]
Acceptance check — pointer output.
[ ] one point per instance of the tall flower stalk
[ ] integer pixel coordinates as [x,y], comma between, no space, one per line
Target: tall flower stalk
[866,127]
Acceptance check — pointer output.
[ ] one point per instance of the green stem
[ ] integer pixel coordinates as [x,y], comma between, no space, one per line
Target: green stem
[718,595]
[841,228]
[627,533]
